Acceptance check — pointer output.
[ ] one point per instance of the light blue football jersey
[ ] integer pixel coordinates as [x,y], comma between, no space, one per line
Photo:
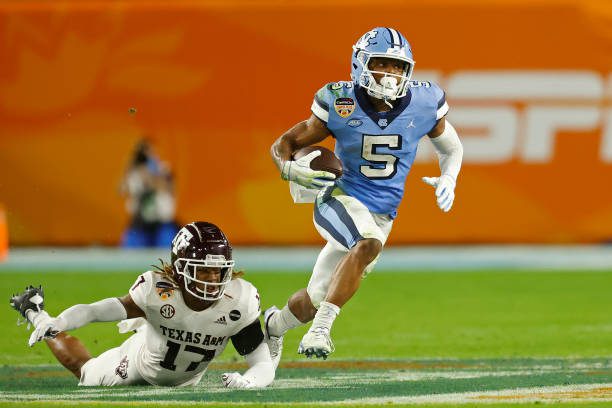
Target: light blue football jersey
[377,149]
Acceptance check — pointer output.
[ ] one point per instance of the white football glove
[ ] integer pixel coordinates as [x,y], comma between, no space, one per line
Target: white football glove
[299,171]
[445,190]
[235,380]
[47,328]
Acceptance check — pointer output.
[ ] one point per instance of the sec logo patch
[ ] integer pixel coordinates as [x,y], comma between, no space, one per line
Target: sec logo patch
[167,311]
[344,107]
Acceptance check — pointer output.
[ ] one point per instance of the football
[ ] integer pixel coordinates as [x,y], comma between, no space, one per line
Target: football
[327,161]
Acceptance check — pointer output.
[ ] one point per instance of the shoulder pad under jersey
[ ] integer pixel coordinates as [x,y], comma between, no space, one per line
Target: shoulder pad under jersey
[433,93]
[141,288]
[242,297]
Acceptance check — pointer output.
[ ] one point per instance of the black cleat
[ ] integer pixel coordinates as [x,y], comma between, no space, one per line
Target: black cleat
[31,299]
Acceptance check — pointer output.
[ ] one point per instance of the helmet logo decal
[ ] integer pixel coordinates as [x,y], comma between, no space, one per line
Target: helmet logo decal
[167,311]
[365,40]
[181,240]
[344,107]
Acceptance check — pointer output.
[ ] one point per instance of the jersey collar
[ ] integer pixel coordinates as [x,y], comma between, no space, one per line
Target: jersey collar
[364,102]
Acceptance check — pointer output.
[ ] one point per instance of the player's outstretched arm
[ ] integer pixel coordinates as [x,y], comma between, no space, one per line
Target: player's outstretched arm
[260,373]
[106,310]
[450,153]
[306,133]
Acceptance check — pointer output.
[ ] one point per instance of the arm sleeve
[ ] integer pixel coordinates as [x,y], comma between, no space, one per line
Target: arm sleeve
[320,104]
[449,150]
[107,310]
[261,369]
[248,339]
[249,334]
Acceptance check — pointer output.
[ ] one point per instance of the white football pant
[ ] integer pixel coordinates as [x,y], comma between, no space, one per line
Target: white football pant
[342,220]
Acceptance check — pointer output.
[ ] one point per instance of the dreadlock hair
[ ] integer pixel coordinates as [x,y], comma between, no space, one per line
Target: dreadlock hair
[165,270]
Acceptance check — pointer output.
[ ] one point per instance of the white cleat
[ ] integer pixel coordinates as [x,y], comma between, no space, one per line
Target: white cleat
[316,342]
[275,344]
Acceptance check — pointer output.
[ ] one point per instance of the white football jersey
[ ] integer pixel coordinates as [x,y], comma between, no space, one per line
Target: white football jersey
[179,343]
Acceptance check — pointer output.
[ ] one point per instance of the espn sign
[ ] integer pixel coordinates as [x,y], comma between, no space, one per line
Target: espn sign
[509,115]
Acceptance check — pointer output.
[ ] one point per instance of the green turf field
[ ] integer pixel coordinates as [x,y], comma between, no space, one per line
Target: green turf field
[418,337]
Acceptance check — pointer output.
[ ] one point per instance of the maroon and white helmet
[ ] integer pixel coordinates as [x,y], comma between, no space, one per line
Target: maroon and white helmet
[201,244]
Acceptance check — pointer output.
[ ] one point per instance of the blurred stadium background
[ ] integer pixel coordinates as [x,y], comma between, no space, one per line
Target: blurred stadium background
[213,83]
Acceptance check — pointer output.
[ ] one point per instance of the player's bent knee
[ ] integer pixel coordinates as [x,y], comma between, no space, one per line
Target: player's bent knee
[368,249]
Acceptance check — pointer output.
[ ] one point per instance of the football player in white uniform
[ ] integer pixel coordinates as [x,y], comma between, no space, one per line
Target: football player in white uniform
[184,315]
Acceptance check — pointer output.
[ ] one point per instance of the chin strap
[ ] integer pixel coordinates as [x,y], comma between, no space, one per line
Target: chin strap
[388,103]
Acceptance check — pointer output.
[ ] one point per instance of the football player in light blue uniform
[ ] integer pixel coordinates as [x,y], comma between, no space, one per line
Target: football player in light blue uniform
[377,120]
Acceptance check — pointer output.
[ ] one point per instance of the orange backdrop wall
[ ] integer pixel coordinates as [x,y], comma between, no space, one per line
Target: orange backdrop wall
[213,84]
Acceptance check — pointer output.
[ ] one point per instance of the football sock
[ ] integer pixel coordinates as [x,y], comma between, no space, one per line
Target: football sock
[282,321]
[325,316]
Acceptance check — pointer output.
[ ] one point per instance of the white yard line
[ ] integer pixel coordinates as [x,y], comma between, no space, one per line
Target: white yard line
[582,392]
[565,393]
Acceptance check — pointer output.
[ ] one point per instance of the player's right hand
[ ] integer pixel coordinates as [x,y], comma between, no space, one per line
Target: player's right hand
[46,329]
[235,380]
[299,171]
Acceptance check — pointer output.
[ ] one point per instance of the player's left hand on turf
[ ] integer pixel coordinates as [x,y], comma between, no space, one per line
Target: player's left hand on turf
[445,190]
[47,329]
[235,380]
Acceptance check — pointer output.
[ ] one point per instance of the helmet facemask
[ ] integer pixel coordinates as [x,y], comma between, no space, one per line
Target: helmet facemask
[211,291]
[391,86]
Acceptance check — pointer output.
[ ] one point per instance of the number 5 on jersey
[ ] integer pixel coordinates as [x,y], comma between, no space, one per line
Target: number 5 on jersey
[368,151]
